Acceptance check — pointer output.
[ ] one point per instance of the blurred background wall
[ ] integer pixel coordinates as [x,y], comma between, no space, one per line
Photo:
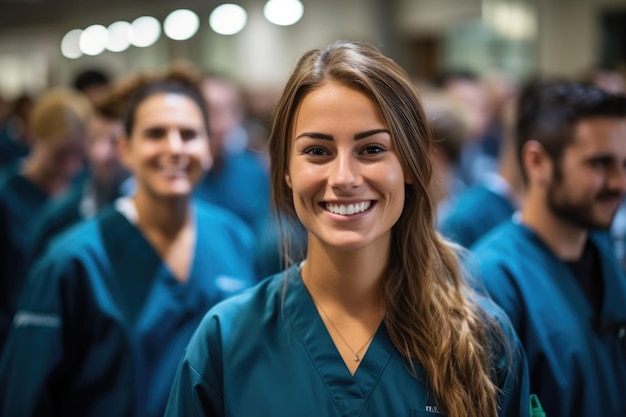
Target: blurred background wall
[522,38]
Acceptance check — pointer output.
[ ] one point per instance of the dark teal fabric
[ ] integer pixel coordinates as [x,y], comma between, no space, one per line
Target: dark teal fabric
[255,355]
[57,217]
[21,202]
[576,359]
[240,184]
[103,323]
[475,212]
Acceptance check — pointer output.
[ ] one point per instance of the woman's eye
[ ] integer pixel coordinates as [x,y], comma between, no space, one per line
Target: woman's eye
[316,151]
[373,149]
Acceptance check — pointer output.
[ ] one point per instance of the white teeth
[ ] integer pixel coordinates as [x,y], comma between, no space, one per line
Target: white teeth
[173,170]
[348,209]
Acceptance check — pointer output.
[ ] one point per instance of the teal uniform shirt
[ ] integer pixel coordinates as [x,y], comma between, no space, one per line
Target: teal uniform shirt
[576,357]
[267,353]
[102,322]
[81,203]
[57,217]
[21,202]
[475,212]
[241,184]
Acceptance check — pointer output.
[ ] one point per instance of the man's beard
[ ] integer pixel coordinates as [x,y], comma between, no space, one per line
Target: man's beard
[580,213]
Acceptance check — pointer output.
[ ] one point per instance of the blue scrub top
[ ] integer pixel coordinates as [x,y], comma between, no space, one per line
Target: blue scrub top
[267,352]
[576,358]
[103,323]
[475,212]
[21,202]
[241,184]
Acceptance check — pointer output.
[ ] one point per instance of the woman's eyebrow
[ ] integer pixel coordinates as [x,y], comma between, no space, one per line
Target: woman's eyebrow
[315,135]
[358,136]
[368,133]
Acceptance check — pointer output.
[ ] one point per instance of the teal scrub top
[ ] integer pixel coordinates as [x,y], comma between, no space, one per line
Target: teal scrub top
[267,353]
[576,357]
[102,322]
[240,184]
[474,213]
[21,202]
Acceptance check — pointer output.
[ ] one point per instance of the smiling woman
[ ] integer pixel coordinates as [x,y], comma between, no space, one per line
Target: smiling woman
[122,293]
[378,320]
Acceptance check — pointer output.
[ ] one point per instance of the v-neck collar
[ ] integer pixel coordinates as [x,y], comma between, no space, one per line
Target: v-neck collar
[349,392]
[135,264]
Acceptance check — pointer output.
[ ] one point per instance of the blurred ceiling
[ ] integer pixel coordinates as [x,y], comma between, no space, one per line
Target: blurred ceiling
[15,14]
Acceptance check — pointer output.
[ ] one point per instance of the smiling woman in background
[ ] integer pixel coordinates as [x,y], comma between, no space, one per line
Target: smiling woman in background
[110,306]
[377,320]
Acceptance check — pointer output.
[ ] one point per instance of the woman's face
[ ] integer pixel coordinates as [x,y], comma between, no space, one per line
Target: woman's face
[168,150]
[346,179]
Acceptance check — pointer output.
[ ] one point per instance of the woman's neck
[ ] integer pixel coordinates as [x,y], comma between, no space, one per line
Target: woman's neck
[350,280]
[164,217]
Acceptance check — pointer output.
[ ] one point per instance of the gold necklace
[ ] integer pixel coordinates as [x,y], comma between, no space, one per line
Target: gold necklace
[357,353]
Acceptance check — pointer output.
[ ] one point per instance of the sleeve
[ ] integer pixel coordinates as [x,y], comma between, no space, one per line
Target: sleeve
[33,353]
[197,390]
[62,357]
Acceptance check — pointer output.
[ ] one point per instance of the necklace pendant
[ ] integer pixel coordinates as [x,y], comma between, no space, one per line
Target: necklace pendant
[356,357]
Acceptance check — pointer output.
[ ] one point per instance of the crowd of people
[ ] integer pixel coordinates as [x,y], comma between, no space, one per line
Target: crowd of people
[376,246]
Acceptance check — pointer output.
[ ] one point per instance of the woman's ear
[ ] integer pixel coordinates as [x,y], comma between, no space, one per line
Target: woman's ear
[288,180]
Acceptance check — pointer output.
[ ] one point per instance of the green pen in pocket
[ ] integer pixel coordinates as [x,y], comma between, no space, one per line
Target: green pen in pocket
[535,407]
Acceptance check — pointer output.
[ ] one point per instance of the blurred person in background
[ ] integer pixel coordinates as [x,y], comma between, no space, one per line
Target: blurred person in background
[58,124]
[479,153]
[106,178]
[95,83]
[110,306]
[554,271]
[238,179]
[15,140]
[449,133]
[494,199]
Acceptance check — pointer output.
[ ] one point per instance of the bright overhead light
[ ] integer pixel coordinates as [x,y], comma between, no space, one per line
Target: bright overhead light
[228,19]
[119,36]
[283,12]
[146,31]
[181,24]
[93,40]
[70,47]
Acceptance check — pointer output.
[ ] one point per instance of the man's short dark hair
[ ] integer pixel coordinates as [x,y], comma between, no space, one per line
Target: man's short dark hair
[548,111]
